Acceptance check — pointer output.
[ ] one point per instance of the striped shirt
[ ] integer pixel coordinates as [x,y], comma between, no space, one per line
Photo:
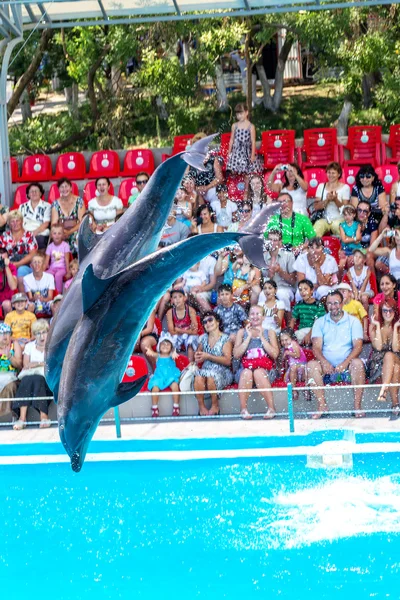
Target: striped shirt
[306,314]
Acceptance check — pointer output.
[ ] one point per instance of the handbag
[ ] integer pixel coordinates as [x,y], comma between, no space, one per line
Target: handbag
[315,215]
[34,371]
[186,380]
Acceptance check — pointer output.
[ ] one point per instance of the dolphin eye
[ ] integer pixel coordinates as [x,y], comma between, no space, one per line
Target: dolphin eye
[61,427]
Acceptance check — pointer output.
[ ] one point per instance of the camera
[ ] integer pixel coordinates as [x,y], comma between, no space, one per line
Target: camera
[2,263]
[199,221]
[285,168]
[178,211]
[391,233]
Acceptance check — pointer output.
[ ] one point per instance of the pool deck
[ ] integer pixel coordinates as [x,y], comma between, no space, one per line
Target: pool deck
[198,429]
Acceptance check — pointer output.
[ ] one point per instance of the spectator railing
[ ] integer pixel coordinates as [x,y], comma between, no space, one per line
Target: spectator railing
[291,414]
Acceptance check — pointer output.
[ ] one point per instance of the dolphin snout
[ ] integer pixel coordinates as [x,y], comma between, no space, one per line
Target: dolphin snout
[76,463]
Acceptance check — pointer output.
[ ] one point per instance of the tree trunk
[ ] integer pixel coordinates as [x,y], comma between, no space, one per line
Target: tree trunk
[249,66]
[25,106]
[267,97]
[30,72]
[368,82]
[117,83]
[220,87]
[161,108]
[90,83]
[279,73]
[343,120]
[185,51]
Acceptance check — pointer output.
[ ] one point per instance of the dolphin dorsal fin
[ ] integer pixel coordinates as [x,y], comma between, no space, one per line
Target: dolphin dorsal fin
[93,287]
[87,239]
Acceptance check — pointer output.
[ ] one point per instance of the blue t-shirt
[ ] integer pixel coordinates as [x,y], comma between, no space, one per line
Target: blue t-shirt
[337,337]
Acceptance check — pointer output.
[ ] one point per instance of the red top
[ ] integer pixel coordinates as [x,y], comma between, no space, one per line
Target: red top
[184,323]
[5,291]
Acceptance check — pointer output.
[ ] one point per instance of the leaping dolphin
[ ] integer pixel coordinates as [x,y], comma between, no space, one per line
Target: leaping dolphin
[115,311]
[135,235]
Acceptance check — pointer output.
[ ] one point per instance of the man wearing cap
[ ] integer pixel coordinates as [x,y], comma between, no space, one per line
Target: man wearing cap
[20,319]
[174,231]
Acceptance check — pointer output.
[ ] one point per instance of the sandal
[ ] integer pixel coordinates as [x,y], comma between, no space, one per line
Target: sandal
[359,414]
[270,414]
[175,411]
[18,425]
[154,411]
[244,413]
[45,423]
[395,413]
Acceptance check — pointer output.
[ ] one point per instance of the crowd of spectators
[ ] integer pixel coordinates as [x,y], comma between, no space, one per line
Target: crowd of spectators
[323,310]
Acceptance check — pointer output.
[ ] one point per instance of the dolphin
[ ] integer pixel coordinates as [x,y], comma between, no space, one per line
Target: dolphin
[114,313]
[135,235]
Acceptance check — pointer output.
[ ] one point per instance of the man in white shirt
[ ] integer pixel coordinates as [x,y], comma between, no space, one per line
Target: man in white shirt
[39,286]
[318,267]
[202,293]
[225,210]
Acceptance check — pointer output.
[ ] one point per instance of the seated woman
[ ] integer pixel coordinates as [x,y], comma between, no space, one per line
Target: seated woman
[69,210]
[183,208]
[388,257]
[384,361]
[258,349]
[105,207]
[368,188]
[33,384]
[256,194]
[245,214]
[20,246]
[189,187]
[388,287]
[36,214]
[294,183]
[213,358]
[206,221]
[330,199]
[10,363]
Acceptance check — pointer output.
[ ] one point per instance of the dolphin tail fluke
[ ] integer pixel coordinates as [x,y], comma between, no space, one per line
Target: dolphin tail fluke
[195,155]
[126,391]
[87,239]
[253,248]
[258,223]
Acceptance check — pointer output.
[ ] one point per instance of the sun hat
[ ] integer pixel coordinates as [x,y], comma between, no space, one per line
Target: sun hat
[4,328]
[19,297]
[165,337]
[344,286]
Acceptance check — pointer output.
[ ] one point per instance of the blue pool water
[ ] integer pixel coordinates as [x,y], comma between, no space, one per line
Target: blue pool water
[212,529]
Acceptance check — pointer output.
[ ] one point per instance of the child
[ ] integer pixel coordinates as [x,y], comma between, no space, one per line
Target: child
[39,286]
[233,315]
[246,280]
[193,278]
[306,312]
[165,375]
[359,276]
[350,231]
[20,320]
[182,323]
[183,208]
[274,309]
[57,256]
[294,358]
[73,269]
[242,145]
[354,307]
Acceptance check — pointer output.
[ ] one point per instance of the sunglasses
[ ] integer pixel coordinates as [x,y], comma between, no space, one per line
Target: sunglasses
[387,310]
[208,320]
[245,210]
[366,176]
[365,211]
[141,181]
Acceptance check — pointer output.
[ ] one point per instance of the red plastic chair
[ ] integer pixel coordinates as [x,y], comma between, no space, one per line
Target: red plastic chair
[364,145]
[349,176]
[126,189]
[71,165]
[333,245]
[224,145]
[320,147]
[104,163]
[54,192]
[137,367]
[20,196]
[394,145]
[388,174]
[136,161]
[236,187]
[89,191]
[277,146]
[314,177]
[37,168]
[14,170]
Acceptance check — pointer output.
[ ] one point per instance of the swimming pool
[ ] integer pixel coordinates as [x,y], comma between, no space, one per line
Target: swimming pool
[232,527]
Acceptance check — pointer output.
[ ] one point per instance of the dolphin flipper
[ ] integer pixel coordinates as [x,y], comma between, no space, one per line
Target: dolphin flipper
[126,391]
[87,239]
[93,287]
[253,248]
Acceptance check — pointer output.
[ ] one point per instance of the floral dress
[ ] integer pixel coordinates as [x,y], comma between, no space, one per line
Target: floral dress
[73,216]
[222,375]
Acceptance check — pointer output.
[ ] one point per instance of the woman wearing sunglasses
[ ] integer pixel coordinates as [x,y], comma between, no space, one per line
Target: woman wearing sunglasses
[369,188]
[213,358]
[384,361]
[245,212]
